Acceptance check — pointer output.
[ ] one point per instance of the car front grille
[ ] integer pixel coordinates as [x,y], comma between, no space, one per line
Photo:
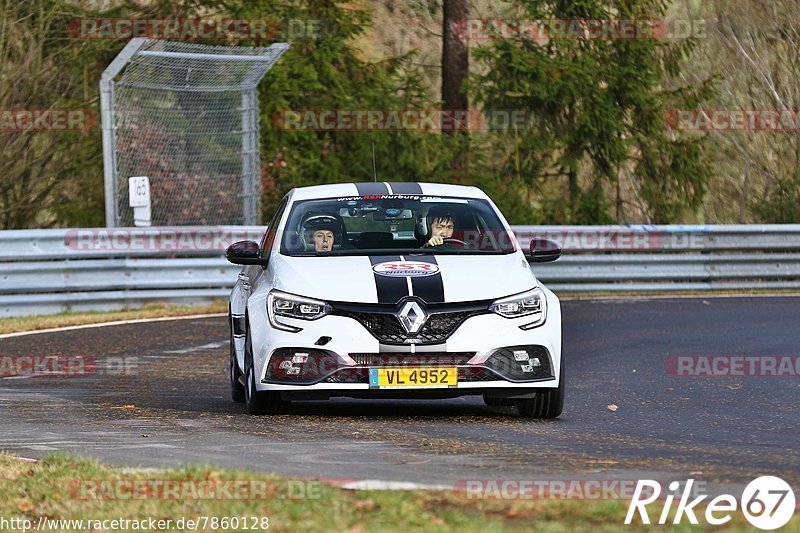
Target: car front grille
[361,375]
[476,373]
[304,366]
[349,375]
[383,324]
[406,359]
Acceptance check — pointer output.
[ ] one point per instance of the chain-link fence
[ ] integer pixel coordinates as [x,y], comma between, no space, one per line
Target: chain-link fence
[186,116]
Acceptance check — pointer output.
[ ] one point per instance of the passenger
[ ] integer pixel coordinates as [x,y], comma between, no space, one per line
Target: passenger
[319,232]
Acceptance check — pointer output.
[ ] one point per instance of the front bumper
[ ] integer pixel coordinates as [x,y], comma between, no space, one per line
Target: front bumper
[334,354]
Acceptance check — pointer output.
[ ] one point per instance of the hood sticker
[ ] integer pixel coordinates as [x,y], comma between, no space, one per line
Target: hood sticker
[413,269]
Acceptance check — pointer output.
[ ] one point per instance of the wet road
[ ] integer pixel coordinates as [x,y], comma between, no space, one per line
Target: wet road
[157,395]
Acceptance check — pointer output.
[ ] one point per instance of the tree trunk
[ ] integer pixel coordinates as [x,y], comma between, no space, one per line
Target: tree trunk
[455,65]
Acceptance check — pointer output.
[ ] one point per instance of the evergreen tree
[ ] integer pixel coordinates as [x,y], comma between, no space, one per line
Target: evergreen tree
[597,107]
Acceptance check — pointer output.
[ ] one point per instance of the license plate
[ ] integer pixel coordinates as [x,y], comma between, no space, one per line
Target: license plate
[412,377]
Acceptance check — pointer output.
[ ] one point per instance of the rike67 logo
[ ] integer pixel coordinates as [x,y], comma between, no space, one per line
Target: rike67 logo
[767,502]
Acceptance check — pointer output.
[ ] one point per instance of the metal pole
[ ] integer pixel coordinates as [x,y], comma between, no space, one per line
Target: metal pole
[109,125]
[256,143]
[249,153]
[109,161]
[212,57]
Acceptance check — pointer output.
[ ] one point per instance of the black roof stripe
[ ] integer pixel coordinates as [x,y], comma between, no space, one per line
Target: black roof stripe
[370,188]
[406,188]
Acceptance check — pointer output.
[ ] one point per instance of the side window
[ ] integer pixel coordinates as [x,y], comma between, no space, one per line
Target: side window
[272,229]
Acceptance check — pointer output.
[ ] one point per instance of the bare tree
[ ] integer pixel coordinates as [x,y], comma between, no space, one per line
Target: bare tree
[24,155]
[754,48]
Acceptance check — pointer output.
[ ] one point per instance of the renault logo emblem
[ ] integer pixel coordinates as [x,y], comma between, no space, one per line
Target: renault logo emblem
[412,317]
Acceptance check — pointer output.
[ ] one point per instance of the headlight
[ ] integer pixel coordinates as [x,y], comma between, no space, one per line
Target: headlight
[288,305]
[532,303]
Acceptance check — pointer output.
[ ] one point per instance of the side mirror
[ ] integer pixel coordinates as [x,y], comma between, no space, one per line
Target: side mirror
[244,253]
[543,251]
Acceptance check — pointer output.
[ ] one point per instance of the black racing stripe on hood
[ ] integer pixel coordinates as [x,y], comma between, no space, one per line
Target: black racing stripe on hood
[429,288]
[406,188]
[365,189]
[390,289]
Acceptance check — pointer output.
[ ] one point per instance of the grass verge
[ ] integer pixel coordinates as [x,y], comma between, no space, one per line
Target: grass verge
[64,487]
[31,323]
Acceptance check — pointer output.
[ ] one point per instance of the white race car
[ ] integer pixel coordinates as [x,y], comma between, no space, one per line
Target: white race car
[387,290]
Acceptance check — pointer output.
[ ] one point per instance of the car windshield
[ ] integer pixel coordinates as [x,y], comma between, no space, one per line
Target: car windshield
[394,224]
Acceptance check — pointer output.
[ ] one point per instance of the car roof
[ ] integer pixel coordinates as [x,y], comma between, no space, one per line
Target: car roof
[334,190]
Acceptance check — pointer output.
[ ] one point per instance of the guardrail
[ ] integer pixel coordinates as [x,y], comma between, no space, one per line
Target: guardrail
[52,271]
[670,258]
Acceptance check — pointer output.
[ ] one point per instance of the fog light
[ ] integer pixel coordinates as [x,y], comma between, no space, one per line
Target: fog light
[527,368]
[535,362]
[300,365]
[520,355]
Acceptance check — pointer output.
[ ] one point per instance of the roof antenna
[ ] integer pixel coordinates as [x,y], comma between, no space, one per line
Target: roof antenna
[374,172]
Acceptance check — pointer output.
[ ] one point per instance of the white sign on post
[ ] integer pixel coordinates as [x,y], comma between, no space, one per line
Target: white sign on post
[139,194]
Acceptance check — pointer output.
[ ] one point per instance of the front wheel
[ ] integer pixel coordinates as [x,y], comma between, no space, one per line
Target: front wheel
[548,403]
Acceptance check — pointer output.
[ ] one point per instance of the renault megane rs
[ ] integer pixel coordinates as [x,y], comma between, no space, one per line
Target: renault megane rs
[377,290]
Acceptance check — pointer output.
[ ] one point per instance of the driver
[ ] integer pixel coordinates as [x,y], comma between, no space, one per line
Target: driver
[442,227]
[319,232]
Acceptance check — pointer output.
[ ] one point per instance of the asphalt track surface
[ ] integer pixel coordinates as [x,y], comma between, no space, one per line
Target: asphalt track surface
[174,407]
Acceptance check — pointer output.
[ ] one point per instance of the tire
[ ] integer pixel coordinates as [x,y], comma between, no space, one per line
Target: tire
[548,403]
[237,389]
[258,402]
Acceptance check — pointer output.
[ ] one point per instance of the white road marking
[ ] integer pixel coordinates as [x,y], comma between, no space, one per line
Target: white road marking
[209,346]
[377,484]
[26,459]
[58,445]
[105,324]
[621,299]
